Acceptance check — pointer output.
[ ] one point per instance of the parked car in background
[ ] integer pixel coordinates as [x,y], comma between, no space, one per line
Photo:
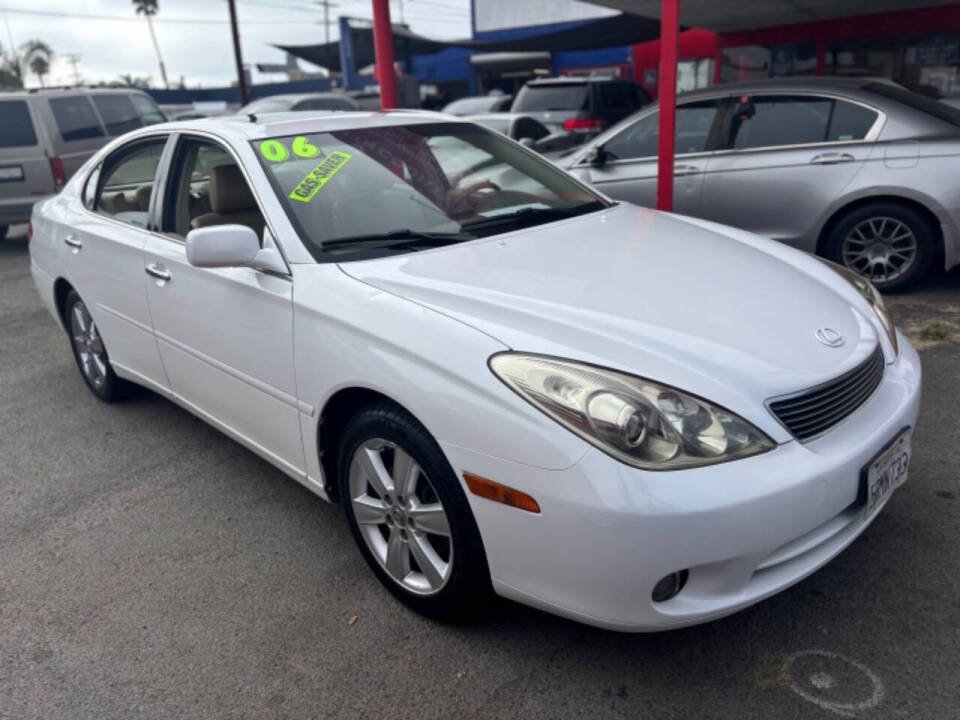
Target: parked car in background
[862,172]
[366,99]
[528,131]
[634,419]
[300,101]
[45,135]
[479,104]
[580,104]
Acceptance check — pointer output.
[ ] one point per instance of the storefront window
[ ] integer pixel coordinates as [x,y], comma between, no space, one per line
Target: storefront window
[876,58]
[748,62]
[932,65]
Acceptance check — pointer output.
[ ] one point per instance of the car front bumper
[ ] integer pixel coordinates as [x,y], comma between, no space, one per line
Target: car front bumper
[745,530]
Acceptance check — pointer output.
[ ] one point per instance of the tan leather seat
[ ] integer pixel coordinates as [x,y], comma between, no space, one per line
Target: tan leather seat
[142,197]
[115,203]
[231,201]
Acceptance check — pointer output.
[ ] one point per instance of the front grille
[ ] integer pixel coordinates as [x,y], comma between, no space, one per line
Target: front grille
[811,412]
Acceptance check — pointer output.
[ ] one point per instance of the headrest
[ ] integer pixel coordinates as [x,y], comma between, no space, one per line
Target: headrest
[229,191]
[142,198]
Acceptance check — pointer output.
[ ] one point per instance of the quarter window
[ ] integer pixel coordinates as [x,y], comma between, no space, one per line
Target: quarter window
[850,122]
[75,118]
[17,125]
[118,113]
[129,182]
[693,125]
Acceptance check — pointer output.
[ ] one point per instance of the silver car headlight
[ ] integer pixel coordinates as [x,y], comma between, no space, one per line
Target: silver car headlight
[871,295]
[639,422]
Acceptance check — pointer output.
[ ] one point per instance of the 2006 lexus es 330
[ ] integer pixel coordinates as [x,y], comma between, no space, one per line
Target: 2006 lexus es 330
[630,418]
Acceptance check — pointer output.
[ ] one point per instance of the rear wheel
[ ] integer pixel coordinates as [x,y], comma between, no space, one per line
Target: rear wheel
[891,245]
[90,352]
[409,515]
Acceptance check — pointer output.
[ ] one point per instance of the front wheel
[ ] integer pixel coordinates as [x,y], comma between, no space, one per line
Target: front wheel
[891,245]
[409,515]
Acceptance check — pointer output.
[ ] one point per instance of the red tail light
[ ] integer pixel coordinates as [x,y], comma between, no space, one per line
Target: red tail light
[59,176]
[583,124]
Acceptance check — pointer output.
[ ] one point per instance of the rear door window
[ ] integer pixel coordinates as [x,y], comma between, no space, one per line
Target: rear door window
[75,118]
[17,125]
[556,96]
[148,110]
[128,181]
[118,113]
[850,122]
[779,120]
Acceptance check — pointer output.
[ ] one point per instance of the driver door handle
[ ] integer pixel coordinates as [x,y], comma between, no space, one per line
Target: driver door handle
[831,158]
[158,271]
[73,242]
[685,170]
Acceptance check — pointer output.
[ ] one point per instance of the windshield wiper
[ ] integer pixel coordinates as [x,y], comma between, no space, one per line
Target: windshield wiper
[401,237]
[532,213]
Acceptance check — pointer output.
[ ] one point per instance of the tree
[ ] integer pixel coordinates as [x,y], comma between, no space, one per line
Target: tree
[127,80]
[10,76]
[148,8]
[36,56]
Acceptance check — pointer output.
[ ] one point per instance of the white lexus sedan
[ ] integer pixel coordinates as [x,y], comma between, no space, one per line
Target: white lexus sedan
[511,383]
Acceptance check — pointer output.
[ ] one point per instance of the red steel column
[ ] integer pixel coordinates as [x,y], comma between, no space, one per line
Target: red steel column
[669,28]
[383,44]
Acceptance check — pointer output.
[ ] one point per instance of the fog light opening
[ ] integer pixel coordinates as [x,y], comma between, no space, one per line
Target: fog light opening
[670,586]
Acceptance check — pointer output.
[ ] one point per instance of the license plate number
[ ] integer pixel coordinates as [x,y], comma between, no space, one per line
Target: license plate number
[11,172]
[887,472]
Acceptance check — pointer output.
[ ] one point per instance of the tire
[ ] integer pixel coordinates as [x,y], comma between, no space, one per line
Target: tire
[89,352]
[3,232]
[463,590]
[871,228]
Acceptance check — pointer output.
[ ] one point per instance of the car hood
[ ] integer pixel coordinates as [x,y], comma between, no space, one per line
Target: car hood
[714,311]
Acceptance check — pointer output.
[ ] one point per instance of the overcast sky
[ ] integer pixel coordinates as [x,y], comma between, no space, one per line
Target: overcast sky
[116,41]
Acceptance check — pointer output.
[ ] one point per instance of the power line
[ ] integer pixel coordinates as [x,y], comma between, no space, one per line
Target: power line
[114,18]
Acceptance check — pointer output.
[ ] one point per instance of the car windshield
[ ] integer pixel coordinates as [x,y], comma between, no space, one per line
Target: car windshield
[368,192]
[552,96]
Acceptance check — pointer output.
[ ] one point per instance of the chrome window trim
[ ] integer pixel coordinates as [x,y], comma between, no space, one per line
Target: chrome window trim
[871,137]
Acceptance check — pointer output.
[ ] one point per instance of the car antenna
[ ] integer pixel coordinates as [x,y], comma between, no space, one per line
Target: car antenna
[253,118]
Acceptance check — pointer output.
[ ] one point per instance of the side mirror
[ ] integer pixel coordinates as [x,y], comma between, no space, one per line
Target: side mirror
[597,156]
[230,246]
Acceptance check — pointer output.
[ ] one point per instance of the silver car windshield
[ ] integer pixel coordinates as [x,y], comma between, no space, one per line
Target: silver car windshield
[360,193]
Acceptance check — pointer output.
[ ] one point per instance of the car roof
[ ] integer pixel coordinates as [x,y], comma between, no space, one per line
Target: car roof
[67,90]
[255,126]
[576,79]
[497,116]
[821,83]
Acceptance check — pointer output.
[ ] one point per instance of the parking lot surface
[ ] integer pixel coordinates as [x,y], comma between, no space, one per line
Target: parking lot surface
[151,567]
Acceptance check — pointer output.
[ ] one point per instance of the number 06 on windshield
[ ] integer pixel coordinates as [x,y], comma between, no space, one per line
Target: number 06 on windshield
[319,176]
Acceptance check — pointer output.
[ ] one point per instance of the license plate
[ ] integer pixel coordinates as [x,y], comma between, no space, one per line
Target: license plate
[887,472]
[11,172]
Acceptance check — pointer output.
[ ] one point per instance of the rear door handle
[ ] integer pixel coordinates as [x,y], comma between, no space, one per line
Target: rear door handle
[158,271]
[685,170]
[73,242]
[831,158]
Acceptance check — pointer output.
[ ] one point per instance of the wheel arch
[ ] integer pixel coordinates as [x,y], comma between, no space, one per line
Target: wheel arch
[342,405]
[61,288]
[837,216]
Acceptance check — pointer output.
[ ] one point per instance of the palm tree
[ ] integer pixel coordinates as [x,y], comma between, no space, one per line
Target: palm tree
[36,56]
[148,8]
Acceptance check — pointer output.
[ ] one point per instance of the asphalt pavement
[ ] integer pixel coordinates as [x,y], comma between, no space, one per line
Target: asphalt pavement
[152,568]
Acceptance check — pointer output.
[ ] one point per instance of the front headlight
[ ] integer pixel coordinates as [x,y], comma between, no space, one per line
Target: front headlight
[871,295]
[639,422]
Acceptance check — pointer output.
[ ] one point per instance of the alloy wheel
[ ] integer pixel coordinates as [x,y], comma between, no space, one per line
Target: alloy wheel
[880,249]
[400,516]
[89,346]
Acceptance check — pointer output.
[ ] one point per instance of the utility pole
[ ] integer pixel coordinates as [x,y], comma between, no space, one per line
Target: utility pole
[156,46]
[241,80]
[326,5]
[73,59]
[400,3]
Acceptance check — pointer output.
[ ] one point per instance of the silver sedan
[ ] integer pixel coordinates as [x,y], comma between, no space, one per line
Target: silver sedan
[858,170]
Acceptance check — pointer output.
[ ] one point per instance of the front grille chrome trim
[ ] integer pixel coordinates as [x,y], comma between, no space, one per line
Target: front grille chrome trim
[809,413]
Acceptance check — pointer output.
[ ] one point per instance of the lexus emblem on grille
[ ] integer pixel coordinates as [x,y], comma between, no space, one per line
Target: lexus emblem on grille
[829,337]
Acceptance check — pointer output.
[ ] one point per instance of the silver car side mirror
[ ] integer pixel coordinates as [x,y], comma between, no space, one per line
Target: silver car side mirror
[231,246]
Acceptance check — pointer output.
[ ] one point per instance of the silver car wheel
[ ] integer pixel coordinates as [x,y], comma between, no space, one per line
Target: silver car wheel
[400,516]
[880,249]
[89,346]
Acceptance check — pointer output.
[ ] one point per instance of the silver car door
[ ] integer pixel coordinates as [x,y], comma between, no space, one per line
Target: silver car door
[629,171]
[788,157]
